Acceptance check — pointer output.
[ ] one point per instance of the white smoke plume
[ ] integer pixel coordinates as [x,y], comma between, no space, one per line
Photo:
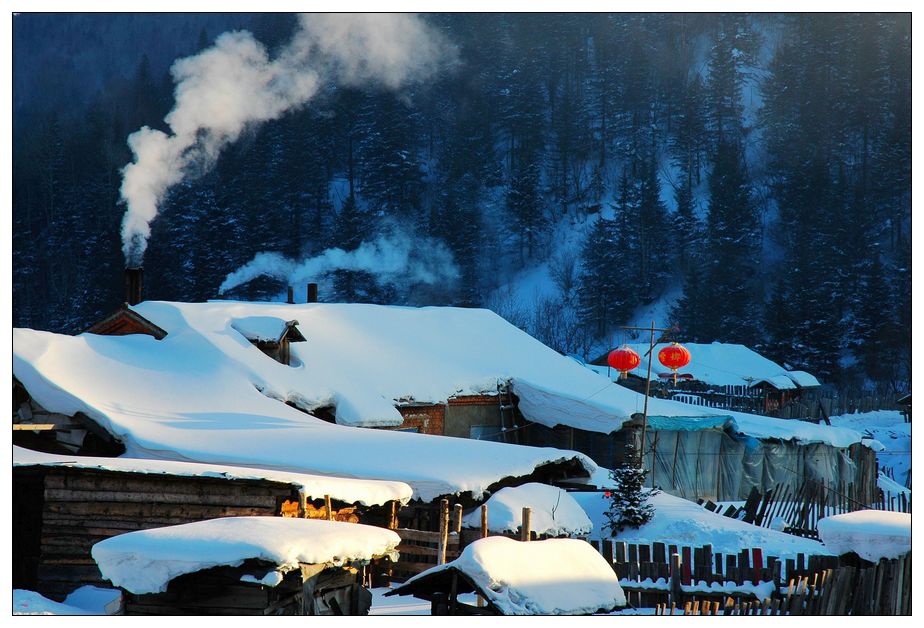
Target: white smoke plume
[234,84]
[388,258]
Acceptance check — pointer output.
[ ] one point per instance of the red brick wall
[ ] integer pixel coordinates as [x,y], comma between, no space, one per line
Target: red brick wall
[474,400]
[427,419]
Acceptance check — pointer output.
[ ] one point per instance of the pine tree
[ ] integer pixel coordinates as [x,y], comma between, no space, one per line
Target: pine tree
[629,506]
[732,250]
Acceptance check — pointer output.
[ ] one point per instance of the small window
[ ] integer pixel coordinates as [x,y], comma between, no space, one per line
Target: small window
[486,432]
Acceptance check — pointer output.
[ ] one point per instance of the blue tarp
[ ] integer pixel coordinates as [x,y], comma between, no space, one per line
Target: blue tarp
[691,423]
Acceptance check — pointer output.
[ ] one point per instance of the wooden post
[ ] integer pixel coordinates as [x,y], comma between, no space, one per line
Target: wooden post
[393,520]
[444,531]
[676,591]
[328,509]
[302,505]
[526,528]
[457,518]
[484,521]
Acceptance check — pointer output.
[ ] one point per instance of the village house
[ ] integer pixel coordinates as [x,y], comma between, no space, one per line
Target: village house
[719,375]
[63,505]
[460,373]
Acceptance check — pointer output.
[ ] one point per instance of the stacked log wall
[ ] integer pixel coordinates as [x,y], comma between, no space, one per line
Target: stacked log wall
[84,506]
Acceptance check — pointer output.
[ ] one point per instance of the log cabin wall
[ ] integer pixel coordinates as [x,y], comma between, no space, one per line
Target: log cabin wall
[80,507]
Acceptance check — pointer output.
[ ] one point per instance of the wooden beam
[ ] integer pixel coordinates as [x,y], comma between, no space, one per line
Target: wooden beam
[34,427]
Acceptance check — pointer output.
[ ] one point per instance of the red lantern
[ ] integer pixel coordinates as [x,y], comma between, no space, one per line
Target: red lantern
[623,360]
[674,356]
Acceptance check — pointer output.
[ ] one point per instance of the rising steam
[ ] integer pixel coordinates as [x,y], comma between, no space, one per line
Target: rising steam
[388,258]
[234,84]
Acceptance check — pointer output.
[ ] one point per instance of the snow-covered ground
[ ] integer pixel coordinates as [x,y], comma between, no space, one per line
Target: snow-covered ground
[87,600]
[678,521]
[889,428]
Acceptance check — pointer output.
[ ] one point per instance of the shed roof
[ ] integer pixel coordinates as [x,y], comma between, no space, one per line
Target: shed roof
[146,561]
[126,321]
[551,577]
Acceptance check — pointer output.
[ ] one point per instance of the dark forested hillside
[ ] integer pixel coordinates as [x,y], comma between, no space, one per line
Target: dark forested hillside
[757,168]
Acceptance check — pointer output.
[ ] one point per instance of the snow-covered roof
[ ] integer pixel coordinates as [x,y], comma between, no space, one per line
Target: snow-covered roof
[724,364]
[803,379]
[780,382]
[872,534]
[263,328]
[351,491]
[147,560]
[205,394]
[551,577]
[554,511]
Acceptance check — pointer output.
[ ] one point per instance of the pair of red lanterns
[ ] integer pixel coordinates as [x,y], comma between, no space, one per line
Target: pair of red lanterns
[674,356]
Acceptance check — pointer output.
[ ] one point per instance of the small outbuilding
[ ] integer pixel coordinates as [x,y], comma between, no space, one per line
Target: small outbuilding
[551,577]
[246,566]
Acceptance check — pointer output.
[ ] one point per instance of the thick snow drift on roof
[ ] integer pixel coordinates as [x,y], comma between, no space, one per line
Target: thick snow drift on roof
[803,379]
[872,534]
[260,327]
[147,560]
[725,364]
[765,427]
[679,521]
[352,491]
[554,511]
[551,577]
[780,382]
[196,396]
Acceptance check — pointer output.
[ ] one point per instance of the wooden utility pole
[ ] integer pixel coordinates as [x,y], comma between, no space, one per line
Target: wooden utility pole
[652,343]
[444,531]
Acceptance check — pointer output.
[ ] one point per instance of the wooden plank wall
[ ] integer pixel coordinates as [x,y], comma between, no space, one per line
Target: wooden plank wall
[85,506]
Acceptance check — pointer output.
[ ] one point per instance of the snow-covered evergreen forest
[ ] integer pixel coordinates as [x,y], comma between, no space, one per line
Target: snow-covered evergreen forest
[748,176]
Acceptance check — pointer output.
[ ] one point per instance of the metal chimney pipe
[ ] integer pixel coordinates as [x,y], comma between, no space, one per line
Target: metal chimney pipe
[312,294]
[134,284]
[290,291]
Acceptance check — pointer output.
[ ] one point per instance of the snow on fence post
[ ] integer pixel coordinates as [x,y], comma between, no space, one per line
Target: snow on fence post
[527,523]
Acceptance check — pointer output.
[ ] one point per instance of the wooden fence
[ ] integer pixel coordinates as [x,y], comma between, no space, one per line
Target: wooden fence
[698,581]
[800,508]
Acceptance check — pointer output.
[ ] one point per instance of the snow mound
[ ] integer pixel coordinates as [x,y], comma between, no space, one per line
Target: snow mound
[147,560]
[365,492]
[872,534]
[32,603]
[554,511]
[551,577]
